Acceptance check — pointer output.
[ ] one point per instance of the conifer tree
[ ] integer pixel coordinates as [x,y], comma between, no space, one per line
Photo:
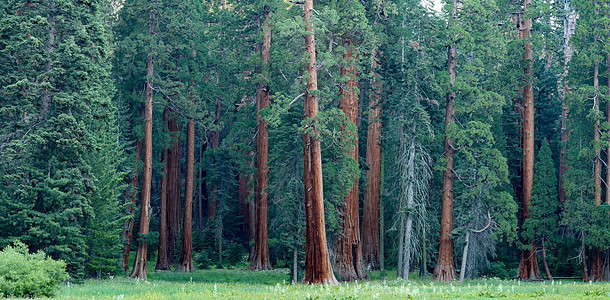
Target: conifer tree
[543,224]
[56,94]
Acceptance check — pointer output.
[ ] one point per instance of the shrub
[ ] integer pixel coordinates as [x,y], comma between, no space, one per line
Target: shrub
[203,260]
[233,254]
[29,275]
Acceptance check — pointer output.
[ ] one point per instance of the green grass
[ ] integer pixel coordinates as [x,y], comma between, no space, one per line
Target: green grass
[239,284]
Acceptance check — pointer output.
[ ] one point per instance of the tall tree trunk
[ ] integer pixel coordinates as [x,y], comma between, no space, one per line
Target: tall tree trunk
[596,256]
[608,120]
[139,265]
[349,264]
[370,211]
[318,268]
[410,203]
[162,262]
[445,269]
[173,188]
[261,243]
[585,278]
[606,262]
[131,209]
[569,24]
[186,254]
[528,266]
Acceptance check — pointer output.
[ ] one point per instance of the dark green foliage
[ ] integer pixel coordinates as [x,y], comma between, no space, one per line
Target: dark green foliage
[544,208]
[24,274]
[56,93]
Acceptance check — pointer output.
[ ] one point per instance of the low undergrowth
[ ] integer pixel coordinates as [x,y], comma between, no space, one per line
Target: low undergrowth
[240,284]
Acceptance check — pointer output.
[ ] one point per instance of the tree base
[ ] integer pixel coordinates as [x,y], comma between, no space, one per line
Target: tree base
[528,267]
[445,273]
[185,267]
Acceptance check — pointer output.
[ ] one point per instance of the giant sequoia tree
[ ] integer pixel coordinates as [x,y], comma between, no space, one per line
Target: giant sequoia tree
[317,262]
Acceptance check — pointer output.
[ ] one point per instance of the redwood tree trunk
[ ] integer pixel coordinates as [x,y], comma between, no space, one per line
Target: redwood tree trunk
[162,262]
[349,264]
[370,211]
[173,185]
[528,266]
[139,265]
[251,211]
[317,262]
[260,260]
[186,254]
[445,268]
[131,209]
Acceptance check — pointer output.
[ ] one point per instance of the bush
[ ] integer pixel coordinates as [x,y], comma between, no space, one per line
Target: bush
[29,275]
[233,254]
[203,260]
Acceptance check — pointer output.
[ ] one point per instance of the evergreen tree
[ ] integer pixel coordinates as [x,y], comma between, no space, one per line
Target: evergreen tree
[56,93]
[543,224]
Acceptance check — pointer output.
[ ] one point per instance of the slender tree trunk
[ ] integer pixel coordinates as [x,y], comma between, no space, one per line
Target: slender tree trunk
[546,266]
[261,242]
[251,211]
[318,268]
[215,141]
[606,261]
[465,257]
[186,254]
[173,188]
[139,265]
[569,27]
[295,266]
[585,278]
[381,220]
[162,262]
[410,202]
[401,245]
[608,120]
[349,264]
[200,194]
[528,266]
[596,256]
[445,269]
[131,209]
[370,211]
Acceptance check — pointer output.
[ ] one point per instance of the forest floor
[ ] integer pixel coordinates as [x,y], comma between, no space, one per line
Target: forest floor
[240,284]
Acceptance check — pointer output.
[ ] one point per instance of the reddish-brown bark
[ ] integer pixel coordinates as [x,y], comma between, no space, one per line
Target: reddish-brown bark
[162,262]
[186,254]
[173,185]
[260,260]
[445,268]
[370,211]
[317,262]
[528,267]
[131,209]
[139,265]
[349,263]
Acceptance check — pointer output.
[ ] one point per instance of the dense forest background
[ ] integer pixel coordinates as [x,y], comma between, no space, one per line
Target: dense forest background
[332,138]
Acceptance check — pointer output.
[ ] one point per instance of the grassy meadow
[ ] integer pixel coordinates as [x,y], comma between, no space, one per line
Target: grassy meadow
[240,284]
